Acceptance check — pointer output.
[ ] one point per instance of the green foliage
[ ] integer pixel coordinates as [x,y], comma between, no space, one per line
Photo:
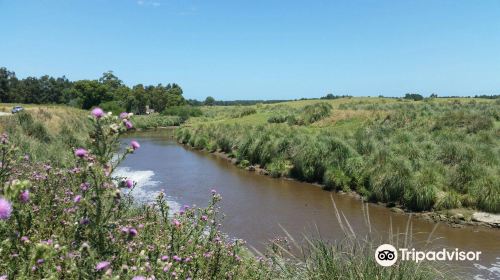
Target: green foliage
[184,112]
[413,96]
[108,92]
[155,121]
[450,200]
[112,106]
[245,111]
[315,112]
[279,168]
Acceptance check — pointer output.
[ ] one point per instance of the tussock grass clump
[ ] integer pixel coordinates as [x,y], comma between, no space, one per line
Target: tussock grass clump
[155,121]
[315,112]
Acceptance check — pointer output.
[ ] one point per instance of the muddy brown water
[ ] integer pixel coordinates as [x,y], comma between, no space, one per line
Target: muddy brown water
[256,207]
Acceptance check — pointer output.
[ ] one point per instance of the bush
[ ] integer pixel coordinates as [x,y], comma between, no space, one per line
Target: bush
[112,106]
[183,112]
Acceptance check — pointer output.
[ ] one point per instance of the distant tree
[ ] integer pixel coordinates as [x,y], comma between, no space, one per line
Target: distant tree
[209,101]
[433,95]
[413,96]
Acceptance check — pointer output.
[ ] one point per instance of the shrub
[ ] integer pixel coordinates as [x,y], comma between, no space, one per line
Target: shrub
[183,112]
[112,106]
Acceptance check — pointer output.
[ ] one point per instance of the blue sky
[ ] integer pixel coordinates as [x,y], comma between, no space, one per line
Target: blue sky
[261,49]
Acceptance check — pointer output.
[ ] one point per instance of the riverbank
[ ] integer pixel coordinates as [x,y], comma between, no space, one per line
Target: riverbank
[432,155]
[453,217]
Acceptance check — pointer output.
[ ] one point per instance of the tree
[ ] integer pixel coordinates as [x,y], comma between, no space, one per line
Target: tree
[209,101]
[414,96]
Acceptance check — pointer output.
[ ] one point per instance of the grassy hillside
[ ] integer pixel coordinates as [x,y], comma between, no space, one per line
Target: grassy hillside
[423,155]
[46,132]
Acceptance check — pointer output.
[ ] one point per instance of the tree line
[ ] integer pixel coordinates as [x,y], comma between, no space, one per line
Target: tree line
[108,92]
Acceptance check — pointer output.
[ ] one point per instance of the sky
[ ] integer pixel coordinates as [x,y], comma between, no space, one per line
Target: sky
[265,49]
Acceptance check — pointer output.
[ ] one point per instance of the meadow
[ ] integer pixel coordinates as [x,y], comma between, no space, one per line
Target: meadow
[429,155]
[63,215]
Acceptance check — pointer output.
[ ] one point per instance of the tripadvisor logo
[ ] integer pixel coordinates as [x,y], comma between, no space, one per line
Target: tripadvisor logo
[387,255]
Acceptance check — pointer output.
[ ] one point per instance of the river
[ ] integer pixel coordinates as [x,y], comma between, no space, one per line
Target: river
[256,206]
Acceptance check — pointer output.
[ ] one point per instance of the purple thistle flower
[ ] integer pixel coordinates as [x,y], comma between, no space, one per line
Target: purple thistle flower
[164,258]
[84,186]
[176,223]
[97,113]
[132,232]
[177,258]
[129,183]
[204,217]
[77,198]
[128,124]
[135,145]
[102,265]
[139,277]
[24,196]
[5,209]
[80,152]
[123,115]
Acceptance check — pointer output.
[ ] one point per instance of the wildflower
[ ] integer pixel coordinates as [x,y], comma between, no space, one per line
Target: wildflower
[25,239]
[139,277]
[102,265]
[80,152]
[84,186]
[132,232]
[213,191]
[97,113]
[77,198]
[129,183]
[84,221]
[177,258]
[128,124]
[24,196]
[5,209]
[164,258]
[123,115]
[135,145]
[40,261]
[176,223]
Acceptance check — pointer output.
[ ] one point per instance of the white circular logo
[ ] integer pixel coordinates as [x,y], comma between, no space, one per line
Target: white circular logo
[386,255]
